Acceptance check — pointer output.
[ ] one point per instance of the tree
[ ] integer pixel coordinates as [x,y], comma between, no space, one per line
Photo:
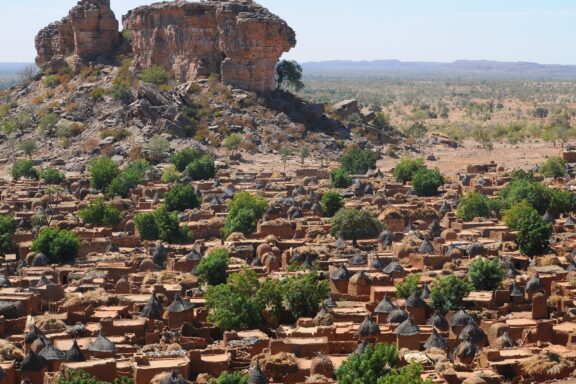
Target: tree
[285,153]
[426,182]
[407,168]
[212,268]
[382,121]
[158,148]
[524,188]
[553,167]
[24,168]
[303,294]
[513,216]
[289,74]
[408,286]
[339,178]
[155,75]
[28,147]
[534,234]
[170,174]
[353,224]
[27,75]
[122,184]
[331,202]
[48,123]
[161,225]
[358,161]
[181,197]
[562,201]
[447,293]
[79,376]
[232,142]
[473,205]
[232,310]
[99,213]
[244,222]
[485,275]
[184,157]
[482,135]
[59,245]
[304,152]
[540,113]
[202,168]
[102,171]
[244,210]
[7,230]
[52,176]
[410,374]
[231,378]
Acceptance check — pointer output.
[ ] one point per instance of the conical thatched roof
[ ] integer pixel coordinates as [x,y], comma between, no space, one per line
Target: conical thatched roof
[460,319]
[439,321]
[436,340]
[256,376]
[397,316]
[152,309]
[102,344]
[179,305]
[74,353]
[415,301]
[515,291]
[534,284]
[466,349]
[407,328]
[425,294]
[368,328]
[50,352]
[32,335]
[426,247]
[473,333]
[330,302]
[341,274]
[385,306]
[173,378]
[33,362]
[393,267]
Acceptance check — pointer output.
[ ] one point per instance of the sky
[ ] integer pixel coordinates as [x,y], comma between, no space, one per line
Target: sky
[540,31]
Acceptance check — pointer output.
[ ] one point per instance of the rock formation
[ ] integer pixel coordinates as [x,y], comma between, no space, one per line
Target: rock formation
[89,31]
[239,40]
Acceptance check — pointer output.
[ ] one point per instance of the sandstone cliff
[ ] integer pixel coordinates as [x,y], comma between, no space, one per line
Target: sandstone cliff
[239,40]
[89,31]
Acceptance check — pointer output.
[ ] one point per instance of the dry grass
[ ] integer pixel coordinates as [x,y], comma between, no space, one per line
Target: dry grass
[97,297]
[167,277]
[8,351]
[547,364]
[50,324]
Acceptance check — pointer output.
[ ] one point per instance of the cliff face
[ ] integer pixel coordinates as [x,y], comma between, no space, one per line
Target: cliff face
[89,30]
[239,40]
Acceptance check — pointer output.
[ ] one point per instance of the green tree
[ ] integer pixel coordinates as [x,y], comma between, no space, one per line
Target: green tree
[244,211]
[353,224]
[170,174]
[158,148]
[410,374]
[184,157]
[524,188]
[358,161]
[231,378]
[181,197]
[24,168]
[232,142]
[155,75]
[161,225]
[289,74]
[339,178]
[7,230]
[202,168]
[232,310]
[562,201]
[513,216]
[331,202]
[285,153]
[52,176]
[28,147]
[59,245]
[304,152]
[48,123]
[102,171]
[534,234]
[553,167]
[407,168]
[382,121]
[447,293]
[540,113]
[212,268]
[100,213]
[408,286]
[485,275]
[473,205]
[303,294]
[426,182]
[244,222]
[79,376]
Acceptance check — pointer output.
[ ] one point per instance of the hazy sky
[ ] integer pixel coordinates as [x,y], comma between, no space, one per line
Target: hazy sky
[412,30]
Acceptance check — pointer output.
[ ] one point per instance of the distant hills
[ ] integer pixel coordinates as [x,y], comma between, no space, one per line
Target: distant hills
[479,69]
[9,73]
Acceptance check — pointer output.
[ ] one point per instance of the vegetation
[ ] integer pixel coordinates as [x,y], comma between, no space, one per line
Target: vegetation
[82,377]
[553,167]
[353,224]
[232,142]
[407,168]
[518,213]
[132,176]
[47,124]
[28,147]
[59,245]
[202,168]
[231,378]
[161,225]
[52,176]
[339,178]
[523,187]
[473,205]
[170,174]
[408,286]
[158,148]
[212,268]
[447,293]
[534,234]
[52,81]
[102,171]
[289,74]
[24,169]
[303,294]
[100,213]
[485,275]
[331,202]
[426,182]
[155,75]
[244,212]
[181,197]
[7,230]
[184,157]
[358,161]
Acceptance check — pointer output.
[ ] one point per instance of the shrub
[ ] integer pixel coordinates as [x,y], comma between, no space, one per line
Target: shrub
[358,161]
[170,174]
[82,377]
[52,81]
[289,73]
[59,245]
[102,171]
[97,94]
[524,188]
[201,169]
[331,202]
[353,224]
[232,378]
[553,167]
[473,205]
[534,234]
[339,178]
[184,157]
[408,286]
[117,134]
[485,275]
[146,226]
[426,182]
[155,75]
[562,201]
[303,294]
[158,148]
[447,293]
[121,92]
[99,213]
[161,225]
[7,230]
[48,123]
[52,176]
[232,310]
[232,142]
[407,168]
[212,268]
[181,197]
[513,216]
[28,147]
[132,176]
[24,168]
[244,210]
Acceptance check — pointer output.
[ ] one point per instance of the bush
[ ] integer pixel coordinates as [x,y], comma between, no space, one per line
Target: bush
[99,213]
[244,210]
[184,157]
[553,167]
[102,171]
[158,148]
[407,168]
[473,205]
[562,201]
[24,168]
[170,174]
[132,176]
[212,268]
[121,92]
[48,123]
[232,378]
[353,224]
[52,81]
[146,226]
[331,202]
[7,230]
[97,94]
[232,142]
[408,287]
[181,197]
[28,147]
[59,245]
[485,275]
[303,294]
[117,134]
[534,234]
[161,225]
[289,73]
[155,75]
[82,377]
[52,176]
[426,182]
[339,178]
[358,161]
[232,310]
[524,188]
[447,293]
[201,169]
[513,216]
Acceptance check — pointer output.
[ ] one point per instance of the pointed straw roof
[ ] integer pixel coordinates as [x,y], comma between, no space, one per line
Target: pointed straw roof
[385,306]
[152,309]
[179,305]
[407,328]
[256,376]
[102,344]
[74,353]
[33,362]
[436,340]
[368,328]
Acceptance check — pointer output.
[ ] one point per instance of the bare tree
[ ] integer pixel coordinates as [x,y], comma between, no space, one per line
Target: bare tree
[27,75]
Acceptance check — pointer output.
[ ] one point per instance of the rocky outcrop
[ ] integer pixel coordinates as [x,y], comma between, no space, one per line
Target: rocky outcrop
[89,31]
[240,40]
